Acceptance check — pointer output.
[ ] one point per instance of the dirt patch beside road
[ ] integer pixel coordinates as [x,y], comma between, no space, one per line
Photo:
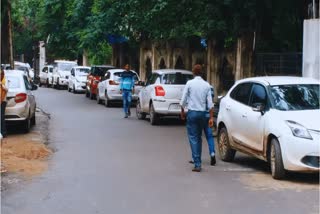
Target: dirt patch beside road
[26,154]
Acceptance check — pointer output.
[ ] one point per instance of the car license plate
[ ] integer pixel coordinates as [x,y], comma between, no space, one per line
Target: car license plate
[174,106]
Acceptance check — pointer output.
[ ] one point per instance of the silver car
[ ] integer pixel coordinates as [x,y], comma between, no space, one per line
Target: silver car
[162,94]
[21,104]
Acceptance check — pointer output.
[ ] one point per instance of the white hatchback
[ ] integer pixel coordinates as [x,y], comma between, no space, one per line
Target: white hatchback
[21,104]
[108,90]
[78,79]
[275,119]
[162,94]
[46,75]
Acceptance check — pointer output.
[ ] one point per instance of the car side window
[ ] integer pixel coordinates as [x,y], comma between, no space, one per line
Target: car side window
[258,95]
[242,93]
[27,83]
[152,79]
[50,70]
[45,70]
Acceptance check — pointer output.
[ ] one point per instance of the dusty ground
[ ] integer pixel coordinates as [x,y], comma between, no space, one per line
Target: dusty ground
[25,155]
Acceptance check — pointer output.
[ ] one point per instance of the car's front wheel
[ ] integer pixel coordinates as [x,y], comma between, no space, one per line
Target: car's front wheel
[153,115]
[276,163]
[226,152]
[140,115]
[74,89]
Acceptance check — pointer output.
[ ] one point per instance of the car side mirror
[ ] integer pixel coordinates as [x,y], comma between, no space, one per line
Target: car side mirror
[34,87]
[259,107]
[142,83]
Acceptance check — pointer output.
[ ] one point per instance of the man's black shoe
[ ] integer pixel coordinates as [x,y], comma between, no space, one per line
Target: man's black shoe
[196,169]
[191,162]
[126,116]
[213,160]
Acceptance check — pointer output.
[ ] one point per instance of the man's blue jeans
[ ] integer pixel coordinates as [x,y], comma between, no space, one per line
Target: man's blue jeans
[209,136]
[127,98]
[195,124]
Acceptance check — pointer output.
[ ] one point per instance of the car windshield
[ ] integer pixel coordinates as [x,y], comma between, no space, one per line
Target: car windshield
[13,82]
[82,71]
[66,66]
[176,79]
[117,76]
[295,97]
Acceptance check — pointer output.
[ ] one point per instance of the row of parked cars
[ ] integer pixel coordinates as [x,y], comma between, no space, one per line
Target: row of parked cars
[271,118]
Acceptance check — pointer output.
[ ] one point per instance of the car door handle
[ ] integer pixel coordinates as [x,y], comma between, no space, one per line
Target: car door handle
[228,108]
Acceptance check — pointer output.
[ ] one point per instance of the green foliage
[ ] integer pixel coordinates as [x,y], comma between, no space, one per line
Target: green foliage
[101,54]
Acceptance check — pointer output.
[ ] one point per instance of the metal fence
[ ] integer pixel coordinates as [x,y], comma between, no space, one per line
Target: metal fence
[272,64]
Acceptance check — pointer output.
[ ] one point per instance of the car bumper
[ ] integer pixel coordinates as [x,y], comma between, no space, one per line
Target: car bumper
[19,112]
[167,107]
[80,86]
[114,95]
[300,154]
[63,81]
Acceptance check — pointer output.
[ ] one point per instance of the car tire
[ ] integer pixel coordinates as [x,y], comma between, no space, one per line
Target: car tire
[74,89]
[153,115]
[33,120]
[69,89]
[107,102]
[58,86]
[276,164]
[91,96]
[140,115]
[98,98]
[40,84]
[47,83]
[225,151]
[26,125]
[87,93]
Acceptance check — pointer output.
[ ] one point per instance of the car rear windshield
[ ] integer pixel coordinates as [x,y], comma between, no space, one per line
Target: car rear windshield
[176,79]
[66,66]
[117,76]
[81,71]
[99,71]
[13,82]
[296,97]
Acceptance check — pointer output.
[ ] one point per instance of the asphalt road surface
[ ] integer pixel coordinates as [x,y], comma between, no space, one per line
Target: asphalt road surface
[104,163]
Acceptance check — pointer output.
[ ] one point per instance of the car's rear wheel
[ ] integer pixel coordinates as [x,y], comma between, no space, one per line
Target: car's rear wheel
[26,125]
[33,120]
[276,164]
[140,115]
[153,115]
[91,96]
[98,98]
[107,102]
[58,85]
[226,152]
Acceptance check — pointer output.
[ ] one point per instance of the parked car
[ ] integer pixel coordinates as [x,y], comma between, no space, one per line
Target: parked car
[108,90]
[21,104]
[61,73]
[78,79]
[46,75]
[24,67]
[162,94]
[273,119]
[94,77]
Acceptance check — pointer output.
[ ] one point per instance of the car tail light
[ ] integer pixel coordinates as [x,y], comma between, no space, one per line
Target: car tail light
[160,91]
[20,97]
[111,82]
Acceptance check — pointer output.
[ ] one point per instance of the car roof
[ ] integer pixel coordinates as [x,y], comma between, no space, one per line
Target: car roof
[118,70]
[171,71]
[103,66]
[14,73]
[81,67]
[280,80]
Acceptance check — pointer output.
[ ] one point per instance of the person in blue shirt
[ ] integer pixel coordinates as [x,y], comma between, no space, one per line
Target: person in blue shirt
[197,98]
[127,89]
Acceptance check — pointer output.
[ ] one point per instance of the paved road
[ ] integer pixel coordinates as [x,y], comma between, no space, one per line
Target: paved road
[107,164]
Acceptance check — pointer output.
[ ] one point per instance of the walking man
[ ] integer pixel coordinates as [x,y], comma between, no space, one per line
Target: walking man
[127,89]
[198,99]
[4,91]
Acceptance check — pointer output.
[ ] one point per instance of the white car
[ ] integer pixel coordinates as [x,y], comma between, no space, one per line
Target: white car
[108,90]
[46,75]
[21,104]
[162,94]
[275,119]
[61,73]
[78,79]
[24,67]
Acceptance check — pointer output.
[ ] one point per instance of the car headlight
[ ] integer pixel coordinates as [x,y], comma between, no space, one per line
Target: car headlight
[298,130]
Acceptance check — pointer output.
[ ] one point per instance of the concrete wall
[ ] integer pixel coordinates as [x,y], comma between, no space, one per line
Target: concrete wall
[311,48]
